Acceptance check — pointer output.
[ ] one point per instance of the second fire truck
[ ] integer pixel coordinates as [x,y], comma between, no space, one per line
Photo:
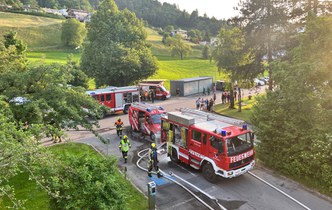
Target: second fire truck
[209,142]
[116,98]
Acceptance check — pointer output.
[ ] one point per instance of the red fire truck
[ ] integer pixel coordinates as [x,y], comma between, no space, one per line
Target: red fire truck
[209,142]
[160,91]
[146,119]
[116,98]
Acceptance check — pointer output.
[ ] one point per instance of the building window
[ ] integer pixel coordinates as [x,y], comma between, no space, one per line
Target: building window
[102,98]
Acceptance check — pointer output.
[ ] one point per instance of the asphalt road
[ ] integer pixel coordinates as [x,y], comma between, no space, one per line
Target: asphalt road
[244,192]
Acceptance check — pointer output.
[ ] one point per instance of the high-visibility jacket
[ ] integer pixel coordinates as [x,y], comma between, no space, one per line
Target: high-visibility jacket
[124,146]
[118,125]
[153,155]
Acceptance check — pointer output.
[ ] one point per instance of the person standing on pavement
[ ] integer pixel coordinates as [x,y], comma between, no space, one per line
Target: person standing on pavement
[211,104]
[177,91]
[202,104]
[124,147]
[152,96]
[119,124]
[153,161]
[198,103]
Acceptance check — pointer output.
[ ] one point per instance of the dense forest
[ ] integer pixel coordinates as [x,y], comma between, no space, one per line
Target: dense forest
[152,11]
[161,15]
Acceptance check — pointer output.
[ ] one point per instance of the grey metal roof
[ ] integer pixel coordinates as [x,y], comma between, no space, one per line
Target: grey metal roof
[193,79]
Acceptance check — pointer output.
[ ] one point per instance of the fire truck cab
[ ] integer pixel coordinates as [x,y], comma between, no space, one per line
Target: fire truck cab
[116,98]
[209,142]
[146,119]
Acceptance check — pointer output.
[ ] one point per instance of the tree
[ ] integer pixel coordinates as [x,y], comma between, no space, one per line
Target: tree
[49,104]
[78,4]
[48,3]
[31,3]
[75,181]
[116,52]
[195,35]
[206,52]
[206,37]
[94,3]
[299,109]
[79,78]
[14,3]
[73,33]
[49,100]
[179,47]
[264,23]
[19,147]
[52,101]
[231,56]
[193,18]
[11,40]
[169,29]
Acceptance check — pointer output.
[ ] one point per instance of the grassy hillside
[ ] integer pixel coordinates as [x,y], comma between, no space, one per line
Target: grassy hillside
[163,52]
[43,38]
[39,33]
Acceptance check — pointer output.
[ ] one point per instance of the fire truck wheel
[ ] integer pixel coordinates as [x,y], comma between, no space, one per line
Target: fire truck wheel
[164,98]
[152,137]
[208,173]
[125,110]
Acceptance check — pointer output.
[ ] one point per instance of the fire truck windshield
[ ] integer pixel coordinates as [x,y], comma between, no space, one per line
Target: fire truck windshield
[239,144]
[156,118]
[162,88]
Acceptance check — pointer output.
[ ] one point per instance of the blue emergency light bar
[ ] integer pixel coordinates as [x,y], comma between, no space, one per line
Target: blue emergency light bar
[244,127]
[223,133]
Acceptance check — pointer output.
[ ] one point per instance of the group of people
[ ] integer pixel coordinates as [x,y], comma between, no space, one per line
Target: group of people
[125,145]
[204,104]
[226,96]
[148,95]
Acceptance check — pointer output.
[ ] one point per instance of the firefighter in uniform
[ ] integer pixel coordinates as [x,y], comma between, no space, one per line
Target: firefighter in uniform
[153,160]
[124,147]
[119,125]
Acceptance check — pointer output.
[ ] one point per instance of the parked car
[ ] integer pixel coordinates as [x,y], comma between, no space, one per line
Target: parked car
[258,82]
[265,79]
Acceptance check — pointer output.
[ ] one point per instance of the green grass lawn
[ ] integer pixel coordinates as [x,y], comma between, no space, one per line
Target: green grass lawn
[51,56]
[38,199]
[187,68]
[27,190]
[245,113]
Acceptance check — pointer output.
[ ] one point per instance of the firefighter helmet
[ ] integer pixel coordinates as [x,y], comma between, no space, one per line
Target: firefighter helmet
[125,137]
[153,145]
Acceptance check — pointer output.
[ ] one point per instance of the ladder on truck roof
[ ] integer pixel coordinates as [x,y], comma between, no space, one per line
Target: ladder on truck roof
[209,116]
[147,106]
